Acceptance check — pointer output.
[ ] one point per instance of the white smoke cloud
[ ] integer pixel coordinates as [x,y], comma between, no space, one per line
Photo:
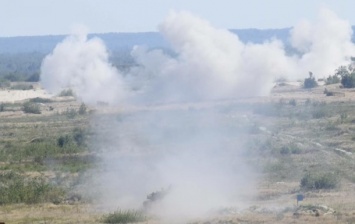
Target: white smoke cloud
[210,64]
[325,44]
[82,65]
[189,150]
[191,154]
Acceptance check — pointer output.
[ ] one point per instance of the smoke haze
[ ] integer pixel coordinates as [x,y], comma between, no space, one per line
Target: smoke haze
[210,63]
[82,65]
[194,154]
[325,44]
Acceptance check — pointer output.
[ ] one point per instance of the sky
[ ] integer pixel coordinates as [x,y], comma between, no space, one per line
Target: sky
[51,17]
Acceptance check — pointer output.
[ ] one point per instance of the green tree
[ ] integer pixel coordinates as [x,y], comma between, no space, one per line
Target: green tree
[332,79]
[347,74]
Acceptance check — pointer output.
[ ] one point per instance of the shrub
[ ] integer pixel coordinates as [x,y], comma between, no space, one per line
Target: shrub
[71,113]
[319,113]
[79,136]
[310,82]
[290,149]
[82,109]
[40,100]
[31,108]
[129,216]
[67,92]
[22,87]
[284,150]
[343,117]
[15,188]
[332,80]
[316,181]
[63,140]
[348,81]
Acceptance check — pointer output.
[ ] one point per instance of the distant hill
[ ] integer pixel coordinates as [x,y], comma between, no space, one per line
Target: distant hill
[21,57]
[113,41]
[259,36]
[125,41]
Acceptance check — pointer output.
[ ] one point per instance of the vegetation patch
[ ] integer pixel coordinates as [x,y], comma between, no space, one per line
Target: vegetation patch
[332,79]
[14,188]
[67,92]
[290,149]
[22,86]
[316,181]
[40,100]
[31,108]
[310,82]
[128,216]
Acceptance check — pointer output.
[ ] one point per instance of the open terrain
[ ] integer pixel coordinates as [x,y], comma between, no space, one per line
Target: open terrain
[45,156]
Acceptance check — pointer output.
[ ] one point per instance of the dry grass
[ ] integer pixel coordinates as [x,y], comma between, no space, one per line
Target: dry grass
[48,213]
[325,142]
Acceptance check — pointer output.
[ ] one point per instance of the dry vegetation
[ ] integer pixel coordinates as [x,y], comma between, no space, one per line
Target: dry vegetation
[294,135]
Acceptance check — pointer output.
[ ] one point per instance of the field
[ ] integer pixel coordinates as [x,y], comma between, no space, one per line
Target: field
[298,142]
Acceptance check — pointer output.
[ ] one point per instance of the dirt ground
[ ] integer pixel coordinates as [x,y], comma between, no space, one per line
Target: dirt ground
[276,199]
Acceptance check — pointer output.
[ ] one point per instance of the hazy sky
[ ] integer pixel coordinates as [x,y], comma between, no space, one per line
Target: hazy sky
[40,17]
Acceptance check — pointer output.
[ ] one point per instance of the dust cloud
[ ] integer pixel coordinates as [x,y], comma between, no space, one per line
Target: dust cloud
[193,156]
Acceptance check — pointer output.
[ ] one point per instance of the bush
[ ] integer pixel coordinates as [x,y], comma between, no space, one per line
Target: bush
[15,188]
[290,149]
[319,113]
[347,74]
[79,136]
[310,82]
[63,140]
[40,100]
[71,113]
[348,81]
[22,87]
[312,181]
[343,117]
[332,80]
[67,92]
[129,216]
[82,109]
[31,108]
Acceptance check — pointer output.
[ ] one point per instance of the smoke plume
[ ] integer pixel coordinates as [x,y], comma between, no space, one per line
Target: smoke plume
[82,65]
[193,155]
[190,156]
[325,44]
[210,64]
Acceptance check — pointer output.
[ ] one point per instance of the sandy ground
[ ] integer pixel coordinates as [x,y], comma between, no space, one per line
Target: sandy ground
[11,96]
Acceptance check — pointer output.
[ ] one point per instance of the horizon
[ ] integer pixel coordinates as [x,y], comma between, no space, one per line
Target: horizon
[146,32]
[143,32]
